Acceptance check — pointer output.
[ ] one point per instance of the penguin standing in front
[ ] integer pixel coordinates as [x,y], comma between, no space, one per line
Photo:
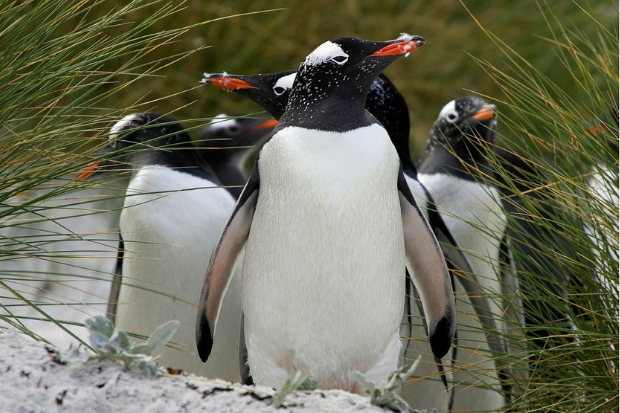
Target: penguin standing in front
[456,171]
[385,103]
[173,214]
[329,223]
[230,140]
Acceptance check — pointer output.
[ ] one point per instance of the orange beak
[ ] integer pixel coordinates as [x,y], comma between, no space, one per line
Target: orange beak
[230,83]
[399,48]
[268,124]
[484,114]
[88,171]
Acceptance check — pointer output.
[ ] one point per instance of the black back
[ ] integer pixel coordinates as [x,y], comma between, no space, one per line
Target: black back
[543,251]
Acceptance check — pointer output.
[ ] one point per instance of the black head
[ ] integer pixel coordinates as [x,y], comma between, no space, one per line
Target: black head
[142,139]
[270,91]
[462,135]
[465,120]
[147,130]
[229,141]
[334,80]
[235,131]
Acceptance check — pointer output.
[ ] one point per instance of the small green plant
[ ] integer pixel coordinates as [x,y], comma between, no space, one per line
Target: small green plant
[111,343]
[296,380]
[387,394]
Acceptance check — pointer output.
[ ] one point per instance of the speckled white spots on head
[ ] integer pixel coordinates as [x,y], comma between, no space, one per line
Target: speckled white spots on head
[284,83]
[222,121]
[124,123]
[325,52]
[449,112]
[404,36]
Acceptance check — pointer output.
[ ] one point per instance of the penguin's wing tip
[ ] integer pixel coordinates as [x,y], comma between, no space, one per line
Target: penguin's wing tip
[204,337]
[442,337]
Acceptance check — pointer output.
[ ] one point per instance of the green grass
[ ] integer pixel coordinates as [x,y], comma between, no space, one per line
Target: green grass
[577,369]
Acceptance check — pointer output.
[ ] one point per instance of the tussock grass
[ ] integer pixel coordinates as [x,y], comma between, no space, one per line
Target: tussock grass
[564,233]
[60,62]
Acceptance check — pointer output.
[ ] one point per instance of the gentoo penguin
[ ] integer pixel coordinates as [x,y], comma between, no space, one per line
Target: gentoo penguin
[385,103]
[230,140]
[456,171]
[323,274]
[173,214]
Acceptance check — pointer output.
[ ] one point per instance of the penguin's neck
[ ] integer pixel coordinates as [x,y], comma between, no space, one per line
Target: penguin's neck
[465,160]
[182,159]
[335,112]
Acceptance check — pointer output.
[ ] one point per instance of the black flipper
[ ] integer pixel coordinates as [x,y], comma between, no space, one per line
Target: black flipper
[222,264]
[246,377]
[117,281]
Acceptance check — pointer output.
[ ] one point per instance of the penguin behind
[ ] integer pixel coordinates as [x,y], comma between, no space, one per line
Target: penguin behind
[385,103]
[173,214]
[455,170]
[323,274]
[544,254]
[230,140]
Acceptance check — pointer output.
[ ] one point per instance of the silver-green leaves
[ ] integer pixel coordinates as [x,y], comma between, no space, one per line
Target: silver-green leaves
[114,344]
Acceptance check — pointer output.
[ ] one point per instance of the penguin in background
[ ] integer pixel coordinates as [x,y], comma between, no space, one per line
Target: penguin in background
[312,179]
[230,140]
[455,169]
[173,214]
[540,247]
[385,102]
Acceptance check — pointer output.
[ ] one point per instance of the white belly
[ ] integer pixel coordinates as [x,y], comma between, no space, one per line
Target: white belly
[169,237]
[603,230]
[473,215]
[323,276]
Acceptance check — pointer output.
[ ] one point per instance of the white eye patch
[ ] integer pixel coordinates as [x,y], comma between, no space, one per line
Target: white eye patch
[221,121]
[125,122]
[326,51]
[284,83]
[449,112]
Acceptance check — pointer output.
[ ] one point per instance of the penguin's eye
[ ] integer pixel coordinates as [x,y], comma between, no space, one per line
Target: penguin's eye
[278,90]
[233,129]
[452,117]
[340,59]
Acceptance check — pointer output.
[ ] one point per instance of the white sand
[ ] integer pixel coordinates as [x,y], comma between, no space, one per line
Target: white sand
[36,378]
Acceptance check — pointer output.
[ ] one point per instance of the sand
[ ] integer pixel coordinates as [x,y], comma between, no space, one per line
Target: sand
[36,377]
